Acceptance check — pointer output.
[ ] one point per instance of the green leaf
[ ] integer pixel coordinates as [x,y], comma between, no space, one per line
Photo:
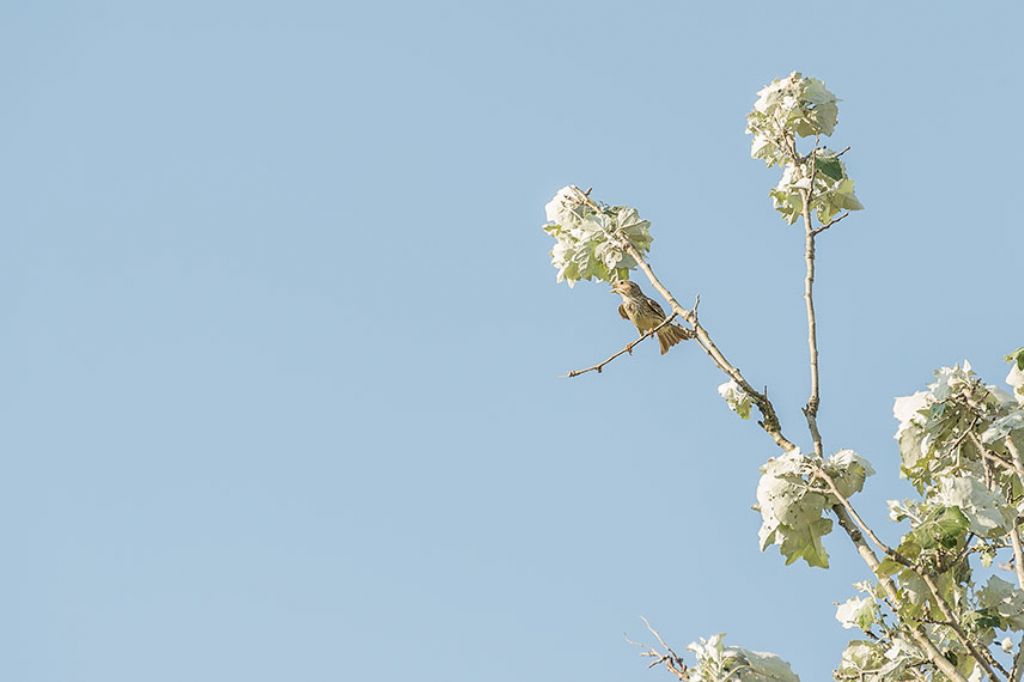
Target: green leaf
[935,528]
[888,568]
[830,167]
[985,512]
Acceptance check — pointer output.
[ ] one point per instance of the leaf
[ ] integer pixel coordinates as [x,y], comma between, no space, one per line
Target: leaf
[804,542]
[857,612]
[791,511]
[1003,426]
[830,167]
[933,528]
[888,568]
[987,514]
[1005,600]
[849,471]
[1017,357]
[736,398]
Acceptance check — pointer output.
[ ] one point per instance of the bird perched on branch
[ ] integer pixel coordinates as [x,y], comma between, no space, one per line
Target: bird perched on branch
[646,314]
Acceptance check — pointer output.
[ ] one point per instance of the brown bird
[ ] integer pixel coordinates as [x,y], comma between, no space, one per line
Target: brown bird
[646,314]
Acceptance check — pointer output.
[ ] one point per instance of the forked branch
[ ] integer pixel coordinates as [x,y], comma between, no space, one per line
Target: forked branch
[672,661]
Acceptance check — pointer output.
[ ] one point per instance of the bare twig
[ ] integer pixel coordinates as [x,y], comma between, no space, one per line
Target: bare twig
[627,349]
[819,230]
[672,661]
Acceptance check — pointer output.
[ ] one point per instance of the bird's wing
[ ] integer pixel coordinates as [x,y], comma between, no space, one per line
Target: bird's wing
[657,308]
[622,312]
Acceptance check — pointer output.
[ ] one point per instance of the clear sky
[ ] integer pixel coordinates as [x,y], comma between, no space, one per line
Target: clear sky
[280,342]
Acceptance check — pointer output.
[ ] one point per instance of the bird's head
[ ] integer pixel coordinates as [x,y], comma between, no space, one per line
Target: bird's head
[624,287]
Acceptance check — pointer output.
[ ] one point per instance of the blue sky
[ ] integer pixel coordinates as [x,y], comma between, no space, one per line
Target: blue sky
[281,343]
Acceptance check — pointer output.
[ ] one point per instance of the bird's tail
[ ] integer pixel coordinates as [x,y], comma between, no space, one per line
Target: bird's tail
[670,335]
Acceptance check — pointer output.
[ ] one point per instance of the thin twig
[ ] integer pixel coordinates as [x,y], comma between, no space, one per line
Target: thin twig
[657,635]
[672,661]
[989,456]
[960,439]
[627,349]
[829,224]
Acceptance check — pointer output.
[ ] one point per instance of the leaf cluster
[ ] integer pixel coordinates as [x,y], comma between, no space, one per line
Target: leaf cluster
[591,237]
[717,662]
[795,107]
[793,500]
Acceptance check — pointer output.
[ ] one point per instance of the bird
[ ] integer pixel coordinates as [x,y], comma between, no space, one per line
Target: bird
[646,314]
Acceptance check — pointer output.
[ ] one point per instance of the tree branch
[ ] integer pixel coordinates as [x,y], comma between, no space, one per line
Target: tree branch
[844,511]
[1018,556]
[771,425]
[1016,458]
[1018,663]
[982,655]
[769,418]
[848,506]
[917,633]
[627,349]
[810,410]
